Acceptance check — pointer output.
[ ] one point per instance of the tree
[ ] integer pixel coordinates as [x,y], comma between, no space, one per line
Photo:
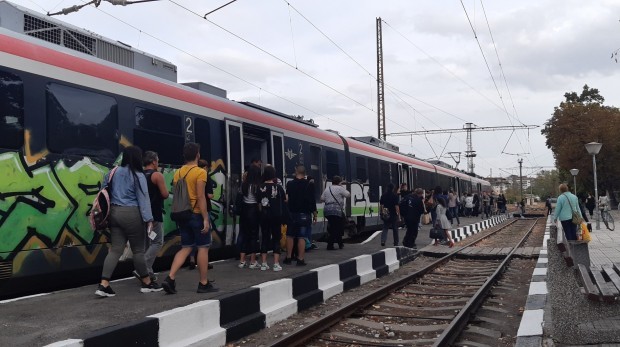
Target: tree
[576,121]
[546,183]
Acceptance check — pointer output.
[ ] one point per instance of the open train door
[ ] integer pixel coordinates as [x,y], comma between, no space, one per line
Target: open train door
[234,172]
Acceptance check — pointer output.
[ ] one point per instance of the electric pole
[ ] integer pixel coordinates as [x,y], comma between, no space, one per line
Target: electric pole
[520,161]
[380,92]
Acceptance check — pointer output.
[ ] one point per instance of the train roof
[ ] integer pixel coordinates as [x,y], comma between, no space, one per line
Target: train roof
[39,51]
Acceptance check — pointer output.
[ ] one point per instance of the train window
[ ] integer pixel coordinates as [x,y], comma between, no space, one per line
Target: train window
[202,131]
[386,178]
[160,132]
[278,156]
[360,165]
[333,167]
[81,122]
[11,111]
[374,180]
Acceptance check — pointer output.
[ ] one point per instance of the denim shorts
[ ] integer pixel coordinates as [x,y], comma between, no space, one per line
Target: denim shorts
[301,225]
[191,233]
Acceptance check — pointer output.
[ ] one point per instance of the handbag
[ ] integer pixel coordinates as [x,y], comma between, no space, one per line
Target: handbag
[426,217]
[577,220]
[436,232]
[342,214]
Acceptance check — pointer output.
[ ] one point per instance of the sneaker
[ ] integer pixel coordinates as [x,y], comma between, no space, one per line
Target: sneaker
[301,262]
[314,246]
[287,261]
[277,267]
[254,265]
[169,285]
[241,265]
[104,292]
[206,288]
[151,287]
[264,267]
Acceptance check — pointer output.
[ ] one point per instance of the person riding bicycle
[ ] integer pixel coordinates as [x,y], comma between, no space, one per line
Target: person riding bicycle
[603,203]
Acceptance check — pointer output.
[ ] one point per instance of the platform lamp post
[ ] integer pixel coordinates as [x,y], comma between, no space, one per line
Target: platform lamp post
[574,172]
[593,148]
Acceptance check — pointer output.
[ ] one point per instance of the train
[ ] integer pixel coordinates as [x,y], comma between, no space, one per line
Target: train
[66,115]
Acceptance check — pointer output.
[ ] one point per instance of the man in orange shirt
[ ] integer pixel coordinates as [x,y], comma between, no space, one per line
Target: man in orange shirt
[197,231]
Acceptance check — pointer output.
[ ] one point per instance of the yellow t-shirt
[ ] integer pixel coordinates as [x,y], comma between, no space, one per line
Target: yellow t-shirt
[192,178]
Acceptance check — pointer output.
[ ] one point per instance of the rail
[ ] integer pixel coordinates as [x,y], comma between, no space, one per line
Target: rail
[300,336]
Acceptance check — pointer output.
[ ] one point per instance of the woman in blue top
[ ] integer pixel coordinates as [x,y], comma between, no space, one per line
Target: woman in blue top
[567,203]
[130,216]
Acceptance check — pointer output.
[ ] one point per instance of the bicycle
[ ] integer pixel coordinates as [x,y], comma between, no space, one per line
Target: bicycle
[608,219]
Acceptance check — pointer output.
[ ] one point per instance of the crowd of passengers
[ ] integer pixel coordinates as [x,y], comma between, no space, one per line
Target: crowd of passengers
[266,210]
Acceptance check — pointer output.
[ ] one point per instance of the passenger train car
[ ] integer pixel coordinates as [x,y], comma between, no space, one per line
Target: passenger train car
[65,117]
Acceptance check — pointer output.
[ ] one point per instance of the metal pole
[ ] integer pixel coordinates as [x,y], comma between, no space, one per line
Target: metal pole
[598,212]
[575,184]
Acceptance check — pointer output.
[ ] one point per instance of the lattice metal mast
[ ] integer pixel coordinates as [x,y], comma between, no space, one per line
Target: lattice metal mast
[469,153]
[380,85]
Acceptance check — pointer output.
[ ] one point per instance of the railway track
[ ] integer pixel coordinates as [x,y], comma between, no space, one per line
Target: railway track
[449,302]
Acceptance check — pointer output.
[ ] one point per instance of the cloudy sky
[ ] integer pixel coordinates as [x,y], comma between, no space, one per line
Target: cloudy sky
[318,59]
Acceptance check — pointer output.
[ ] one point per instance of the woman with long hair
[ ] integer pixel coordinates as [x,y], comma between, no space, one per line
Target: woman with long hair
[130,216]
[249,221]
[272,200]
[442,220]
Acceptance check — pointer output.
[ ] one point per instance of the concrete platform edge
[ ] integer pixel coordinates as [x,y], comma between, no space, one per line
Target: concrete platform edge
[175,327]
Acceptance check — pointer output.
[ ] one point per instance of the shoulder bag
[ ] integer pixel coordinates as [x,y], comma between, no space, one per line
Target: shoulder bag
[577,220]
[342,214]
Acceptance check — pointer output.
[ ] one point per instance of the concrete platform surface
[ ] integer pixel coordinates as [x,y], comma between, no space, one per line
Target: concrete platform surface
[605,245]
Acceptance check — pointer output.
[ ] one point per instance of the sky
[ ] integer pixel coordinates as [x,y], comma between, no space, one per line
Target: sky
[319,59]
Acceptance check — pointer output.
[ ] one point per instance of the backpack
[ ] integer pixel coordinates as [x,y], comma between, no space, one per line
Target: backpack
[181,209]
[100,212]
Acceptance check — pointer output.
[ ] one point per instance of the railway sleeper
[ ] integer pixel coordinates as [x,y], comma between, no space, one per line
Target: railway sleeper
[351,339]
[396,327]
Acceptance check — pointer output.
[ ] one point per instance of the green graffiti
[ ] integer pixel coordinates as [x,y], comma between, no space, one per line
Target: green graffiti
[25,199]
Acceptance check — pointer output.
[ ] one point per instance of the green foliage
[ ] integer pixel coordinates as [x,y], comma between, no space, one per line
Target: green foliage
[578,120]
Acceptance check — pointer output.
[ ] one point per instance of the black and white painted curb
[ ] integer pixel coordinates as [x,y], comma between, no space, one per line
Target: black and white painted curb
[530,331]
[461,233]
[238,314]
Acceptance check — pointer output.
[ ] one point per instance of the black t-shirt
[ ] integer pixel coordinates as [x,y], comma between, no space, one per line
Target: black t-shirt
[415,207]
[300,196]
[271,198]
[389,200]
[157,202]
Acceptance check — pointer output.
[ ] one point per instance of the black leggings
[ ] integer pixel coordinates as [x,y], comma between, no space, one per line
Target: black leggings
[271,232]
[335,226]
[249,228]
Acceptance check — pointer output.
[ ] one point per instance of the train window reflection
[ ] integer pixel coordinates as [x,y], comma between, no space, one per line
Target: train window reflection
[81,122]
[11,111]
[160,132]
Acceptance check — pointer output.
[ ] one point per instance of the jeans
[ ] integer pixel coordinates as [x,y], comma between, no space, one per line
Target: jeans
[125,225]
[192,235]
[570,229]
[454,211]
[154,245]
[386,225]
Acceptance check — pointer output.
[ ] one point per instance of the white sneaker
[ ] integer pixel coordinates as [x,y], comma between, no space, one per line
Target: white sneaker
[277,267]
[264,267]
[241,265]
[254,265]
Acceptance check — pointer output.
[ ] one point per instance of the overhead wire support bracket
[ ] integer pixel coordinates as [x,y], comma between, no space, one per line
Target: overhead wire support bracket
[226,4]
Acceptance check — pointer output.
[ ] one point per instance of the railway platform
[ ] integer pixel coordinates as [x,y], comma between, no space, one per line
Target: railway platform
[604,248]
[247,301]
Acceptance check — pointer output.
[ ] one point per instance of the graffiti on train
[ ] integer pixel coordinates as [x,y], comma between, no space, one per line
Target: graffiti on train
[46,205]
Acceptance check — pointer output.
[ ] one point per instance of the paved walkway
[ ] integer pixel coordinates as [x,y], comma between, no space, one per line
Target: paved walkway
[605,245]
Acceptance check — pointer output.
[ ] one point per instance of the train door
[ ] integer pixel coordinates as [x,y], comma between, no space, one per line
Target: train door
[234,165]
[412,179]
[256,144]
[315,170]
[277,154]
